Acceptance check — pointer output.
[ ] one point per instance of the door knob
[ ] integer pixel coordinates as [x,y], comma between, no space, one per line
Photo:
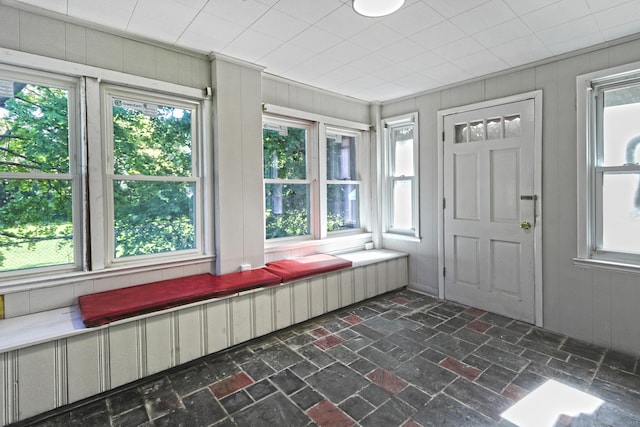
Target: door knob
[525,225]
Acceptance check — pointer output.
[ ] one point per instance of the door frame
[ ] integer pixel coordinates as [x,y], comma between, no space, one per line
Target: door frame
[536,96]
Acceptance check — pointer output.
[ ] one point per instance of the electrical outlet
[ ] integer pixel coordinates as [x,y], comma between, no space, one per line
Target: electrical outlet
[245,267]
[368,246]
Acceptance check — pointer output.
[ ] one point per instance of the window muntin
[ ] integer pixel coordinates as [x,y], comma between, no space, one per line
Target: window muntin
[287,183]
[39,183]
[342,181]
[152,170]
[402,175]
[616,169]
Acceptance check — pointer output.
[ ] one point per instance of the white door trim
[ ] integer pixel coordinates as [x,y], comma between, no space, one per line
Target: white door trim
[537,180]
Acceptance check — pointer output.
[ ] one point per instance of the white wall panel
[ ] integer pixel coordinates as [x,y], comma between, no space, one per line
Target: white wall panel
[263,318]
[241,314]
[5,386]
[347,287]
[283,306]
[371,280]
[190,334]
[360,284]
[37,377]
[160,343]
[84,356]
[124,353]
[300,301]
[42,35]
[317,296]
[217,325]
[333,291]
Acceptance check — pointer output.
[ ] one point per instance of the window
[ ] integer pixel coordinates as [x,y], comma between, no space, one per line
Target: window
[39,172]
[312,179]
[77,196]
[287,179]
[401,193]
[611,172]
[153,178]
[342,181]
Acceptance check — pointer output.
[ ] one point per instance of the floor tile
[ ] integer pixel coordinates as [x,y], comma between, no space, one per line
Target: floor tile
[326,414]
[401,359]
[275,410]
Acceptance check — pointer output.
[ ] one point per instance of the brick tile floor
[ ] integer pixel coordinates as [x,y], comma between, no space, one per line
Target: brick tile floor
[401,359]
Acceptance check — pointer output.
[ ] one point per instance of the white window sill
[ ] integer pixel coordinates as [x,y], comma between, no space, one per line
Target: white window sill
[606,265]
[405,237]
[286,245]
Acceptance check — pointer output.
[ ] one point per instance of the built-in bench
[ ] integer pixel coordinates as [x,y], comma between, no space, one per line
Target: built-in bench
[105,307]
[51,358]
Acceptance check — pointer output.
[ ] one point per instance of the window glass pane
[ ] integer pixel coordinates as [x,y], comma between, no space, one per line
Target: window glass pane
[512,126]
[343,207]
[402,196]
[287,210]
[34,129]
[341,157]
[621,212]
[285,152]
[461,133]
[621,123]
[150,139]
[153,217]
[35,223]
[403,158]
[493,128]
[476,131]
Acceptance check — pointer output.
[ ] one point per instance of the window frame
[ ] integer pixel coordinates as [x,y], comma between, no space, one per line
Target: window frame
[73,85]
[108,93]
[389,124]
[325,131]
[590,89]
[311,172]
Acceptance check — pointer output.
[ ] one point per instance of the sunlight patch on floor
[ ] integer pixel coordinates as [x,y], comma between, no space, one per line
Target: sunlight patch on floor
[544,406]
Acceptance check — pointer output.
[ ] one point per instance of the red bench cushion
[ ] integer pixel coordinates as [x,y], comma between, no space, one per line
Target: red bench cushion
[104,307]
[297,268]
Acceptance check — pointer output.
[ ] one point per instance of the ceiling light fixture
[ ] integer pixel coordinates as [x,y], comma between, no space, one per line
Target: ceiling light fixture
[376,8]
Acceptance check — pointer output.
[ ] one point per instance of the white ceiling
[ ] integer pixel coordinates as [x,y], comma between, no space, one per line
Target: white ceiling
[324,43]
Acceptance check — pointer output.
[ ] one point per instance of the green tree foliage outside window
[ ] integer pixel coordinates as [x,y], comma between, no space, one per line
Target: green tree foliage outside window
[153,216]
[36,189]
[287,205]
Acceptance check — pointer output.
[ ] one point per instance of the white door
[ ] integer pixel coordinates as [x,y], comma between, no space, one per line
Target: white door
[489,214]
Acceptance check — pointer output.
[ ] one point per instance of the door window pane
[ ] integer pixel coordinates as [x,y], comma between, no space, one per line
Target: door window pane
[343,207]
[494,127]
[153,217]
[512,126]
[287,210]
[476,131]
